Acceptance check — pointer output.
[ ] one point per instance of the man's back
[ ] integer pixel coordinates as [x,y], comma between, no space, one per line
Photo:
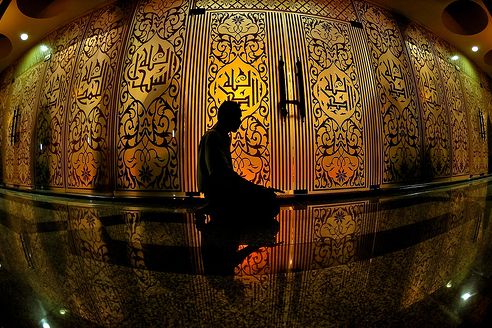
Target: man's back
[214,159]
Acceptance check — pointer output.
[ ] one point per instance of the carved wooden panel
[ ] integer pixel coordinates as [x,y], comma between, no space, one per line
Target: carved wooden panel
[149,98]
[334,86]
[18,151]
[336,9]
[52,111]
[237,70]
[89,119]
[435,117]
[396,94]
[458,118]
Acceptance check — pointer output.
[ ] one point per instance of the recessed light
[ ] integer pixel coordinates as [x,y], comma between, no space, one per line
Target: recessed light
[24,36]
[455,57]
[474,48]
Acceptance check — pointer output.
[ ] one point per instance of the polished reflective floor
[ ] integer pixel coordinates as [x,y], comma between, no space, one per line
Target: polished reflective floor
[422,259]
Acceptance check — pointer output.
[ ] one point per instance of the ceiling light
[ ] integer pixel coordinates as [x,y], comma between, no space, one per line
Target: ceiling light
[466,296]
[474,48]
[43,48]
[24,36]
[455,57]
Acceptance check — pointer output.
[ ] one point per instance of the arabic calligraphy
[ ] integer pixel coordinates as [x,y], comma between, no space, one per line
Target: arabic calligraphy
[400,135]
[458,123]
[91,86]
[94,85]
[152,69]
[148,131]
[54,86]
[434,115]
[428,83]
[19,158]
[240,82]
[336,93]
[390,75]
[339,149]
[238,71]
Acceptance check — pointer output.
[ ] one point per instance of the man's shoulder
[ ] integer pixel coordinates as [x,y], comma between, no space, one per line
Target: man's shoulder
[212,134]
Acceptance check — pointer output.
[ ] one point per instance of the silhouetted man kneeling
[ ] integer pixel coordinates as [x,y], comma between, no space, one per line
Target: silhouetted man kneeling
[224,189]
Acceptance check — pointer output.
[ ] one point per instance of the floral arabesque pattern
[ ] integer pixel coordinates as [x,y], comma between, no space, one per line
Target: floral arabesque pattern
[238,71]
[397,97]
[435,118]
[88,141]
[147,129]
[337,108]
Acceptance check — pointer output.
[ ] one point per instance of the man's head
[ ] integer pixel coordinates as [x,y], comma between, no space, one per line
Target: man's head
[229,115]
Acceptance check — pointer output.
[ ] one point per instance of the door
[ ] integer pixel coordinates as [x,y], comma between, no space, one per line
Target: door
[331,142]
[303,98]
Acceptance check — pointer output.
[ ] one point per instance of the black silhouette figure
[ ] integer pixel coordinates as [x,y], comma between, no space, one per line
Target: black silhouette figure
[238,212]
[224,189]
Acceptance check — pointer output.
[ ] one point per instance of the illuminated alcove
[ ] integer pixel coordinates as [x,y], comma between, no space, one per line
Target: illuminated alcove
[118,104]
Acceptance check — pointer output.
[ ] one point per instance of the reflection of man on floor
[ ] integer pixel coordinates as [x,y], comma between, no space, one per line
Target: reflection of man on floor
[222,186]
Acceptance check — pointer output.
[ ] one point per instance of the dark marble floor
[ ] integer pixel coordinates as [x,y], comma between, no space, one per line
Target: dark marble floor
[417,260]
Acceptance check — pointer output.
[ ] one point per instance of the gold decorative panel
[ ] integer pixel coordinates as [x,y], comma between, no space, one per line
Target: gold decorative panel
[20,119]
[149,100]
[5,82]
[478,142]
[90,118]
[458,118]
[51,114]
[402,151]
[335,89]
[336,9]
[435,116]
[453,93]
[237,70]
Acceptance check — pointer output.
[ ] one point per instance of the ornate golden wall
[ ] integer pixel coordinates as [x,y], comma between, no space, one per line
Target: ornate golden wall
[121,100]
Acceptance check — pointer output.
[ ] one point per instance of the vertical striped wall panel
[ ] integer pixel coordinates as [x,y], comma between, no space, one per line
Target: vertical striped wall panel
[281,132]
[194,101]
[371,116]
